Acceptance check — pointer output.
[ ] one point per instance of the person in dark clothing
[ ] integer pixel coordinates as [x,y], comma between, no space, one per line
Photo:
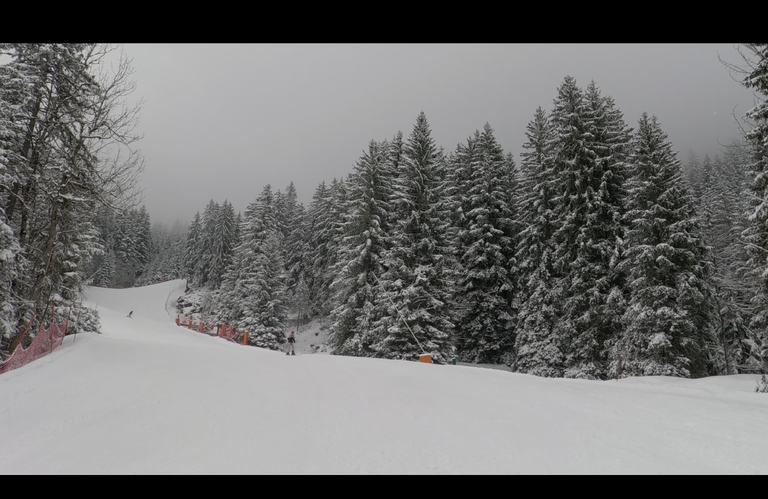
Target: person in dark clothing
[130,314]
[291,341]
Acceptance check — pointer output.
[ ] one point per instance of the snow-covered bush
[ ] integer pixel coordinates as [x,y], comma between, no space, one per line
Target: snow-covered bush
[762,385]
[84,320]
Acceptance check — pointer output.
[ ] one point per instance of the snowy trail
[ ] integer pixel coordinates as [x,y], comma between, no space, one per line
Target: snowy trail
[147,396]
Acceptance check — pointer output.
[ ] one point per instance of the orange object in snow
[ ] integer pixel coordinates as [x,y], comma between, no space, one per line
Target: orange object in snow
[426,358]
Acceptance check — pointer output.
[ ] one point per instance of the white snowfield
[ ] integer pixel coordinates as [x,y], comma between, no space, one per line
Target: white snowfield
[149,397]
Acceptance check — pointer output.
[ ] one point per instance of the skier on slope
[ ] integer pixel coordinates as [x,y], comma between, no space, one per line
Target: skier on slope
[291,341]
[130,314]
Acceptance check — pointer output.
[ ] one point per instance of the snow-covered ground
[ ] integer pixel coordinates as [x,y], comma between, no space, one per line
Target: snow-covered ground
[147,396]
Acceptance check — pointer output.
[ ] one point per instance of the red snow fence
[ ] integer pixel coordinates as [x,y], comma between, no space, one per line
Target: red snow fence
[45,342]
[225,331]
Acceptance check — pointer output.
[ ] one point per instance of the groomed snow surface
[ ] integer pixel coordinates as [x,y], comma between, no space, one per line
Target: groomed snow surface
[149,397]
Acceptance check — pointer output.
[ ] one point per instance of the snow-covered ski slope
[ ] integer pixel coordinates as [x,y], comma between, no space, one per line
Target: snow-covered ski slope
[149,397]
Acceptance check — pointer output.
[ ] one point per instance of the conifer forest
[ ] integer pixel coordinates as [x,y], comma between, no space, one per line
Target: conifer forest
[594,253]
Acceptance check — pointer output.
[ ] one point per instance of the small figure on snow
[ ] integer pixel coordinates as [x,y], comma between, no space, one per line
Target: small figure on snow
[130,314]
[291,341]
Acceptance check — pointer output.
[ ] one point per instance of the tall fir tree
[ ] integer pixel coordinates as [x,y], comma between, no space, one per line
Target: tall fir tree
[361,251]
[316,255]
[669,305]
[167,260]
[192,250]
[576,312]
[691,174]
[290,215]
[100,269]
[325,230]
[589,159]
[208,233]
[13,94]
[296,264]
[224,240]
[487,276]
[723,208]
[9,248]
[416,291]
[132,245]
[252,296]
[756,78]
[537,350]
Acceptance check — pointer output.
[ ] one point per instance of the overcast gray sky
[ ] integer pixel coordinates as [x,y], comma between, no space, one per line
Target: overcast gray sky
[222,120]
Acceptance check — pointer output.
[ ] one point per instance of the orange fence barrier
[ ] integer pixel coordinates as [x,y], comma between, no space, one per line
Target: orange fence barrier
[225,331]
[45,342]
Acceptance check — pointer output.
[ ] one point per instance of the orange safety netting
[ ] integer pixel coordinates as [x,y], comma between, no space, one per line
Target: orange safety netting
[45,342]
[225,331]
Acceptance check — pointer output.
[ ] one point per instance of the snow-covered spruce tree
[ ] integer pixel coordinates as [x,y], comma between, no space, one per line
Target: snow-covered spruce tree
[669,306]
[332,233]
[699,177]
[706,177]
[167,256]
[124,245]
[360,252]
[415,289]
[691,172]
[222,244]
[121,243]
[587,147]
[756,78]
[76,243]
[252,296]
[192,250]
[177,251]
[733,348]
[593,139]
[537,350]
[297,251]
[290,221]
[265,310]
[486,281]
[459,163]
[208,233]
[287,210]
[132,242]
[9,248]
[324,233]
[595,303]
[12,96]
[100,269]
[299,300]
[143,227]
[315,258]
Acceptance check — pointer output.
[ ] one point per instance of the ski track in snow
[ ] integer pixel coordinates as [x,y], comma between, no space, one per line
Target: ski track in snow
[149,397]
